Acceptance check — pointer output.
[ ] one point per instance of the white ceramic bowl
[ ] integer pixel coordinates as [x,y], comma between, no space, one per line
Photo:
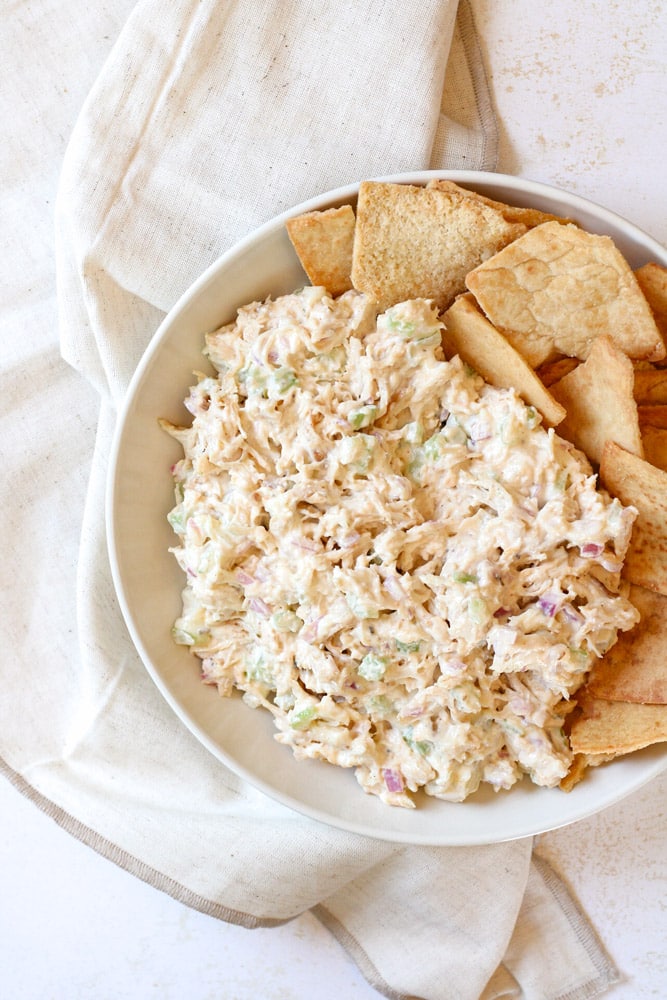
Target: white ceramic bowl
[149,583]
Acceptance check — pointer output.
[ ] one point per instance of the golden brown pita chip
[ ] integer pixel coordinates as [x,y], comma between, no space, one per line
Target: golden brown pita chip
[469,334]
[635,668]
[557,288]
[650,385]
[617,727]
[530,217]
[599,402]
[580,764]
[652,280]
[552,371]
[419,242]
[654,440]
[641,485]
[653,415]
[323,242]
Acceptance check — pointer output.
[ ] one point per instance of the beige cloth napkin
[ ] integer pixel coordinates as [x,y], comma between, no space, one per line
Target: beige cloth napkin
[207,119]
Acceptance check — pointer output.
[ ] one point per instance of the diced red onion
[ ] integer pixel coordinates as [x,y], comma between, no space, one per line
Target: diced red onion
[591,549]
[244,578]
[259,606]
[392,779]
[571,613]
[548,603]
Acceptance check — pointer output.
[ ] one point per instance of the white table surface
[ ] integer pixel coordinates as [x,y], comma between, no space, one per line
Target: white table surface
[581,94]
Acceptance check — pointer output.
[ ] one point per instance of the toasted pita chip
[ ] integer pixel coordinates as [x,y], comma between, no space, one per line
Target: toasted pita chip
[552,371]
[654,441]
[557,288]
[617,727]
[653,415]
[530,217]
[635,668]
[580,764]
[650,385]
[641,485]
[418,242]
[652,280]
[599,402]
[323,242]
[469,334]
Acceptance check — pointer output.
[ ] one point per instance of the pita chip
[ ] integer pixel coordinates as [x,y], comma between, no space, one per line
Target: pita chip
[557,288]
[641,485]
[635,668]
[652,279]
[617,727]
[598,397]
[654,441]
[323,242]
[470,335]
[530,217]
[420,242]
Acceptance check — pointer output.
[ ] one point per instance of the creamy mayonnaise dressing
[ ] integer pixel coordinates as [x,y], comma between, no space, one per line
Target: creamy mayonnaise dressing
[392,557]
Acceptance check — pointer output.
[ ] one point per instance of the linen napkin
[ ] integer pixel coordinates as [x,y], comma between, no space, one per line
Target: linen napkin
[207,119]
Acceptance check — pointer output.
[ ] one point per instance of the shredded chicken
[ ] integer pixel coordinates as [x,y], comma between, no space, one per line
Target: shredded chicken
[392,557]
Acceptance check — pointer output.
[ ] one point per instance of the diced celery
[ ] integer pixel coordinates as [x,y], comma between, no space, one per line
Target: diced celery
[253,378]
[434,447]
[422,747]
[187,637]
[532,416]
[410,330]
[282,380]
[286,621]
[372,667]
[176,518]
[258,670]
[357,451]
[400,326]
[477,610]
[407,647]
[182,636]
[301,719]
[362,417]
[381,705]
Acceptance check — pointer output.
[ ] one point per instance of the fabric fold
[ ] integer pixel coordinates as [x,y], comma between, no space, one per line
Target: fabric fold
[404,920]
